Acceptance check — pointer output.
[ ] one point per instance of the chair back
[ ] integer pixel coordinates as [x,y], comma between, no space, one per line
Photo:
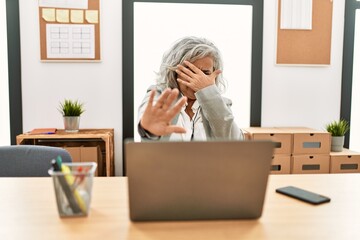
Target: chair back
[29,160]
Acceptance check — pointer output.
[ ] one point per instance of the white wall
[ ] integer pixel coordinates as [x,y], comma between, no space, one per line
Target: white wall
[4,82]
[235,50]
[301,96]
[292,96]
[99,85]
[355,97]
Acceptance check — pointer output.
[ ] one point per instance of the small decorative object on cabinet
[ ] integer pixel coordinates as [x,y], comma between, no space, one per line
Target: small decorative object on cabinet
[71,111]
[337,129]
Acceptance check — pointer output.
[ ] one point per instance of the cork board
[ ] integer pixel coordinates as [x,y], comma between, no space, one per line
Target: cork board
[307,46]
[70,34]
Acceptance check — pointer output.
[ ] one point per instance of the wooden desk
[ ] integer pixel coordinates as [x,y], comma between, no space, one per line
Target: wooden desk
[28,211]
[92,137]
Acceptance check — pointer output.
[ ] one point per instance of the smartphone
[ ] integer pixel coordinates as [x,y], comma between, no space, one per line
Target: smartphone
[303,195]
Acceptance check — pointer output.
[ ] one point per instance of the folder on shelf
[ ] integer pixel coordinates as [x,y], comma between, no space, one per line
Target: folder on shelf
[42,131]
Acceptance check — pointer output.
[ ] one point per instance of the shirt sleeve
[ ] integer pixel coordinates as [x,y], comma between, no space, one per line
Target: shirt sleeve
[216,110]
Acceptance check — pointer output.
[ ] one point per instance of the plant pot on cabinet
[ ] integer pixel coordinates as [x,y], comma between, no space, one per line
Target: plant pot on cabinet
[337,143]
[71,124]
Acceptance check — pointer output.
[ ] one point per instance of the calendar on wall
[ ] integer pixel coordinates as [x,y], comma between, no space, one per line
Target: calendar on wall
[69,30]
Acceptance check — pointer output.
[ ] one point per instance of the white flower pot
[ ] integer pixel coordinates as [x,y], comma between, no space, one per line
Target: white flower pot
[337,143]
[71,124]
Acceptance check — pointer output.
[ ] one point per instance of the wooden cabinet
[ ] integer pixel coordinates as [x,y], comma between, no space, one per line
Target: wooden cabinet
[102,138]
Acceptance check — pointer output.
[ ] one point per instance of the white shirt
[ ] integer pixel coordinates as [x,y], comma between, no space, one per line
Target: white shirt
[194,127]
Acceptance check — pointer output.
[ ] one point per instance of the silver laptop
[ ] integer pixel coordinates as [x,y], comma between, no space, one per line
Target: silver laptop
[197,180]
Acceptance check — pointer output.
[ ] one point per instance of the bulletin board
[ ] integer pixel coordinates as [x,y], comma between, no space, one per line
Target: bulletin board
[69,30]
[307,46]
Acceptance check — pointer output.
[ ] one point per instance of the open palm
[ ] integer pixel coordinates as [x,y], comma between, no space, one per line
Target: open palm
[157,117]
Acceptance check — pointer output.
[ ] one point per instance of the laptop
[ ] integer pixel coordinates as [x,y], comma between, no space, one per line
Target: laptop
[197,180]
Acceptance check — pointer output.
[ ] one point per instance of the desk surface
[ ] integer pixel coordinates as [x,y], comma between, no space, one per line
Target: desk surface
[28,211]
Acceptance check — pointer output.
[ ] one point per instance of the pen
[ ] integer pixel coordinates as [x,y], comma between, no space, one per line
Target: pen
[59,162]
[70,180]
[57,166]
[78,179]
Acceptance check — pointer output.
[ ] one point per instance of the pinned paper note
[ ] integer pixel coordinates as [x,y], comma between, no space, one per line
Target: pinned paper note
[81,4]
[62,15]
[296,14]
[92,16]
[48,14]
[77,16]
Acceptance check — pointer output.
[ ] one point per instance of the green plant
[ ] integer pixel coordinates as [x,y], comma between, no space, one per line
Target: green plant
[71,108]
[338,128]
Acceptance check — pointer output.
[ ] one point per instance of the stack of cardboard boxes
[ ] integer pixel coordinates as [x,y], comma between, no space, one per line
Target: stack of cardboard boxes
[297,149]
[301,150]
[282,150]
[346,161]
[311,150]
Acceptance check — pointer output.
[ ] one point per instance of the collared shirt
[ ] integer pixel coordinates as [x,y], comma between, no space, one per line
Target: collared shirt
[194,127]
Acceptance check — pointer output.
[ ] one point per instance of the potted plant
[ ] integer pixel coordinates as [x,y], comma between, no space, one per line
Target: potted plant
[71,111]
[337,129]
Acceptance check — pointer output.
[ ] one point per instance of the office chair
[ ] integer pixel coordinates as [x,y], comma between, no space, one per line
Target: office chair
[29,160]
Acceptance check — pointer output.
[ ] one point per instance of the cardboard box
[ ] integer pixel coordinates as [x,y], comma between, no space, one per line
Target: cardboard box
[281,164]
[87,154]
[282,140]
[309,141]
[302,164]
[346,161]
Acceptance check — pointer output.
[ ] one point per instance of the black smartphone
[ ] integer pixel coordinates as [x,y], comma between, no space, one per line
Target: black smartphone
[303,195]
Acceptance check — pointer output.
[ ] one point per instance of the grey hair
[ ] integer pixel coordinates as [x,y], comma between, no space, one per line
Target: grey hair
[188,49]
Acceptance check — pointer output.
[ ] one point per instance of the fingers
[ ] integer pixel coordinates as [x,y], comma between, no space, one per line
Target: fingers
[177,107]
[184,73]
[151,100]
[193,68]
[172,112]
[166,99]
[194,77]
[186,83]
[216,73]
[157,118]
[170,99]
[163,97]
